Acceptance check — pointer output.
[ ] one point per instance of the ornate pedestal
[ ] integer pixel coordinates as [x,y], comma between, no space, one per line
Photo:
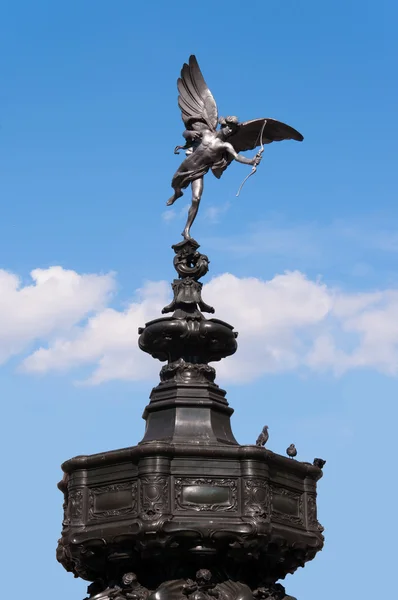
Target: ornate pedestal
[188,512]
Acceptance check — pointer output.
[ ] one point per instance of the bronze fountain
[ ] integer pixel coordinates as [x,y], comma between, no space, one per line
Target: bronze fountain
[189,513]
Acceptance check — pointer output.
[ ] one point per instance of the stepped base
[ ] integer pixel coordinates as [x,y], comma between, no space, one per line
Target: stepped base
[188,413]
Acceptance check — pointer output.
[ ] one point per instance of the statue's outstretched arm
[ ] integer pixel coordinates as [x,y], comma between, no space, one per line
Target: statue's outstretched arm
[239,158]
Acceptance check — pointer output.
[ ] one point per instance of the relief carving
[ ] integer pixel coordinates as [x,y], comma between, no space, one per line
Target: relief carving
[257,498]
[311,511]
[75,504]
[154,496]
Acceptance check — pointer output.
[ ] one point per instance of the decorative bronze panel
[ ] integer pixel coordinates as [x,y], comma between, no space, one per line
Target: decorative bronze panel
[204,494]
[287,505]
[113,500]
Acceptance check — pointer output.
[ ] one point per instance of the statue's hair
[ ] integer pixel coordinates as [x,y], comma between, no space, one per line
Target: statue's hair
[228,121]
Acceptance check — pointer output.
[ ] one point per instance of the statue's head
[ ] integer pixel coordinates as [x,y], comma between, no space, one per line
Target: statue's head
[129,578]
[229,126]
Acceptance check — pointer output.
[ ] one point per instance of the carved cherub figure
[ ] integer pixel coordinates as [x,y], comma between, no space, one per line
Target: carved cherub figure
[202,587]
[130,589]
[210,148]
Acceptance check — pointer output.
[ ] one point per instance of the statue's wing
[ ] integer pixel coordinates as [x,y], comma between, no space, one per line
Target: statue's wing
[248,137]
[195,99]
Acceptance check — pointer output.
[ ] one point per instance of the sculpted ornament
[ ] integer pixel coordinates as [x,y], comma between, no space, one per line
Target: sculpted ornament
[257,498]
[75,499]
[154,494]
[187,290]
[187,294]
[186,372]
[188,262]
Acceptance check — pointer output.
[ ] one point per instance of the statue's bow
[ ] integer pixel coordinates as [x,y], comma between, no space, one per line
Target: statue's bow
[258,156]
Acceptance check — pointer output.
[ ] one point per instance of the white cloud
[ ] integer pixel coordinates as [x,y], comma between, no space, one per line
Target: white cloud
[51,305]
[170,214]
[108,340]
[213,213]
[274,319]
[286,323]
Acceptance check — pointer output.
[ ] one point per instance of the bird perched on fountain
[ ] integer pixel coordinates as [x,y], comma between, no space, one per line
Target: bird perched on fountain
[291,451]
[319,462]
[263,437]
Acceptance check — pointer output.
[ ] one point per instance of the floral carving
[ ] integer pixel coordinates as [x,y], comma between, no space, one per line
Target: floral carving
[75,502]
[312,517]
[311,511]
[154,496]
[257,498]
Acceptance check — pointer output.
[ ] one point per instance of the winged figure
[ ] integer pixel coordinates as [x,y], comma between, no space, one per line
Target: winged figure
[209,147]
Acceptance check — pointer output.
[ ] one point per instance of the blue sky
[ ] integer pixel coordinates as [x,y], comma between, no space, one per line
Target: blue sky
[88,123]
